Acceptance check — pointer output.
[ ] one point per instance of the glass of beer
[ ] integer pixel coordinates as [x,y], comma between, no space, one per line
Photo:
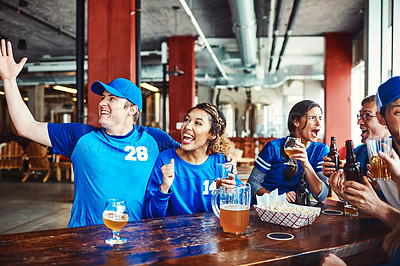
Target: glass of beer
[379,169]
[223,169]
[289,146]
[232,207]
[349,209]
[115,217]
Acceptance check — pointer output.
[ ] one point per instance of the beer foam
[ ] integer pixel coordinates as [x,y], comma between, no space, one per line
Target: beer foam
[235,207]
[114,216]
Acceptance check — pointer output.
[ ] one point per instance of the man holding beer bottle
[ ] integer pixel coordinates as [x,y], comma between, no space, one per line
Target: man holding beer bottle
[360,195]
[370,127]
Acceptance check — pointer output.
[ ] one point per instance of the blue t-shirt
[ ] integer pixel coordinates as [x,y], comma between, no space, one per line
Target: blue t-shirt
[190,191]
[362,157]
[107,167]
[271,161]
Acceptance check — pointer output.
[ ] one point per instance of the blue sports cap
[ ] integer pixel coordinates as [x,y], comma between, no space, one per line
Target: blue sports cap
[122,88]
[388,92]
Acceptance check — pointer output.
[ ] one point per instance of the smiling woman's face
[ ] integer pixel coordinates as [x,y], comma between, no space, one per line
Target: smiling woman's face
[309,125]
[195,131]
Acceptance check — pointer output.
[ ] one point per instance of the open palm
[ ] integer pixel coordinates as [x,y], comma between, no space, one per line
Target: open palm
[8,67]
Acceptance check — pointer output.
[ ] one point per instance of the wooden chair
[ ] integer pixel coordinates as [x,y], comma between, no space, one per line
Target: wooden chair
[61,161]
[11,156]
[38,160]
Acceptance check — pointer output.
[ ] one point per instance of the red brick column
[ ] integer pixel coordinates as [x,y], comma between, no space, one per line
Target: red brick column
[111,46]
[338,64]
[181,88]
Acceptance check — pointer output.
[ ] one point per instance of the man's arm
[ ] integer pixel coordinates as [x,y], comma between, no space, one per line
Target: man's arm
[22,118]
[363,197]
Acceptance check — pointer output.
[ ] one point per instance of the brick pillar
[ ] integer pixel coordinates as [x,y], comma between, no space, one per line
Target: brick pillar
[338,64]
[111,46]
[181,88]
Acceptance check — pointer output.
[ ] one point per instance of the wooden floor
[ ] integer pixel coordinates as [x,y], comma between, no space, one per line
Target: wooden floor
[33,205]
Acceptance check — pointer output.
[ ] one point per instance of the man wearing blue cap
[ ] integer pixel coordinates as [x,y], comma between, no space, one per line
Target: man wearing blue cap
[363,196]
[113,161]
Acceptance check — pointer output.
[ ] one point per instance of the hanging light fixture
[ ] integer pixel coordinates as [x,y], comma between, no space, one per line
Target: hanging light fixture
[22,3]
[176,71]
[22,44]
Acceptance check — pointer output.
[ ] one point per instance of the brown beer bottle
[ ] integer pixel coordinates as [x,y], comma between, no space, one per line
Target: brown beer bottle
[352,168]
[333,153]
[302,195]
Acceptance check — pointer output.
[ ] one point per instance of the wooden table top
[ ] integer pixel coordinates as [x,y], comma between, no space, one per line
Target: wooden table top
[199,240]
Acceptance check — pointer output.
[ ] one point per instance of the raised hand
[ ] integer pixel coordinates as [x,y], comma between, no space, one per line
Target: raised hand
[168,171]
[8,68]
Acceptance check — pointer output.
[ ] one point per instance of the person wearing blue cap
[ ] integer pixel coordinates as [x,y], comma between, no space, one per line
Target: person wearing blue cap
[362,196]
[111,161]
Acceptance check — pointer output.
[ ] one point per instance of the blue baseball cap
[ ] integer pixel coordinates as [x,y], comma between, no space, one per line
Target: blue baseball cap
[122,88]
[388,92]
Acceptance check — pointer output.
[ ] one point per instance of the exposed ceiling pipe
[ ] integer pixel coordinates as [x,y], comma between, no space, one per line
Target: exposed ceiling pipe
[278,17]
[288,33]
[245,28]
[203,37]
[270,24]
[39,20]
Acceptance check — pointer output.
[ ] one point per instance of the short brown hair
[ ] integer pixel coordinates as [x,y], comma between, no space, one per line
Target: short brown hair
[368,99]
[136,115]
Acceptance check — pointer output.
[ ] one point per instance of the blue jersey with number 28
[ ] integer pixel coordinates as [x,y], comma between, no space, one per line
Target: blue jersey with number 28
[107,167]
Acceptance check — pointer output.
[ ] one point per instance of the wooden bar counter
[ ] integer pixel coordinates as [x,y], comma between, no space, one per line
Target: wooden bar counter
[199,240]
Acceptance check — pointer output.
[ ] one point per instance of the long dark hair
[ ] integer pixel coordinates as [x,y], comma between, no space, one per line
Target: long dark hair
[296,113]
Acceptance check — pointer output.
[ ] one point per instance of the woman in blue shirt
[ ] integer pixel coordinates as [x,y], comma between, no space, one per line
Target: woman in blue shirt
[270,172]
[183,178]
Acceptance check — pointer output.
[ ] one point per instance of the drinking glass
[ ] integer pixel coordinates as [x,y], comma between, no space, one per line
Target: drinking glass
[291,143]
[115,217]
[379,169]
[223,169]
[232,207]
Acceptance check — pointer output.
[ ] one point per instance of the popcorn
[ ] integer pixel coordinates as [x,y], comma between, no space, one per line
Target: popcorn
[274,208]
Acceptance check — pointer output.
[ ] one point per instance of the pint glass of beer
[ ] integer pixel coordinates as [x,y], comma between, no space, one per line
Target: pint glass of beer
[379,169]
[232,207]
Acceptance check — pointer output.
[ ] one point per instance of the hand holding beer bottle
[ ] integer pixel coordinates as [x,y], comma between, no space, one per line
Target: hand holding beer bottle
[332,161]
[352,172]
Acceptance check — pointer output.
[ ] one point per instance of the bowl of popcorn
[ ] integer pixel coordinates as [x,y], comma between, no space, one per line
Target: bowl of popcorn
[272,208]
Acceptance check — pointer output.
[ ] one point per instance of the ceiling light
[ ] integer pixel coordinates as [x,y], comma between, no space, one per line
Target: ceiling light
[65,89]
[2,93]
[22,3]
[176,72]
[149,87]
